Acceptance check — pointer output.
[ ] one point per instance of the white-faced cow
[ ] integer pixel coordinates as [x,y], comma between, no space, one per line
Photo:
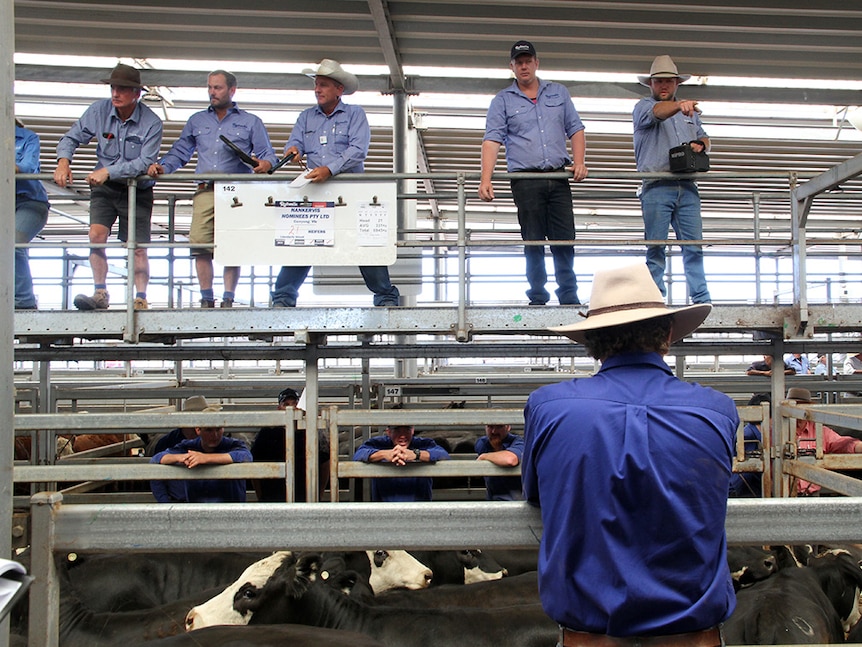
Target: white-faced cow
[296,594]
[383,569]
[814,604]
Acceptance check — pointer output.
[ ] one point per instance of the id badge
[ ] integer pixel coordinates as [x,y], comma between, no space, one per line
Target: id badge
[322,140]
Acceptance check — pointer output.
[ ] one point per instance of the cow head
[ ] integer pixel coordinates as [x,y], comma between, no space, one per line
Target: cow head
[749,564]
[479,567]
[396,569]
[221,609]
[841,580]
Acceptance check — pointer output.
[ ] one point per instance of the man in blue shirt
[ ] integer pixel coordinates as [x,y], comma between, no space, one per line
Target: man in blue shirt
[209,448]
[128,136]
[501,447]
[631,468]
[662,122]
[202,133]
[31,212]
[534,119]
[400,448]
[334,138]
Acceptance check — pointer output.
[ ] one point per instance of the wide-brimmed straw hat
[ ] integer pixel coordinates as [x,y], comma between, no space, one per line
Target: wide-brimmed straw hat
[199,403]
[125,76]
[629,294]
[333,70]
[663,67]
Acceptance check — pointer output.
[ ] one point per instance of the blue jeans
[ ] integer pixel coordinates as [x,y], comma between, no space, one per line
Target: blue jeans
[376,278]
[675,203]
[545,213]
[30,218]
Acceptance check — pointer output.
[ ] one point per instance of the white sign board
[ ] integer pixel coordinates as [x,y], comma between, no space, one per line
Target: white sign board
[333,223]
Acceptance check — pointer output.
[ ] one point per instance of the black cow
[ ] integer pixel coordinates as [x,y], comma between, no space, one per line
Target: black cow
[806,605]
[749,564]
[266,636]
[459,566]
[510,591]
[296,594]
[516,560]
[131,582]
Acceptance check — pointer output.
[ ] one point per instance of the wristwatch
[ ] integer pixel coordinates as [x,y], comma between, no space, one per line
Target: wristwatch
[418,454]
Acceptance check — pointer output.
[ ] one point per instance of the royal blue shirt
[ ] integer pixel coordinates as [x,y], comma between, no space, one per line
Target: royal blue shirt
[338,141]
[27,161]
[534,134]
[503,488]
[631,468]
[201,133]
[125,148]
[203,490]
[406,488]
[653,138]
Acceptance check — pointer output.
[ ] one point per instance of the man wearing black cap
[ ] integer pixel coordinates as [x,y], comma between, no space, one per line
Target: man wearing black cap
[269,446]
[128,135]
[534,119]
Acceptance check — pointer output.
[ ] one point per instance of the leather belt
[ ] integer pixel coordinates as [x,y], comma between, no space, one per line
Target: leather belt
[707,638]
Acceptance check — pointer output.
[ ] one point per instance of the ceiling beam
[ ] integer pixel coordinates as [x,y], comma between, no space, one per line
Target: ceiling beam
[388,45]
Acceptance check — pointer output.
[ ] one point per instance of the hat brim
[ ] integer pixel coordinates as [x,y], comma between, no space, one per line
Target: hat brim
[123,83]
[685,321]
[350,82]
[645,79]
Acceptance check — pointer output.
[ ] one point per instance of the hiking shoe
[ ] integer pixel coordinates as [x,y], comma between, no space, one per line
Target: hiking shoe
[226,303]
[207,303]
[99,301]
[141,304]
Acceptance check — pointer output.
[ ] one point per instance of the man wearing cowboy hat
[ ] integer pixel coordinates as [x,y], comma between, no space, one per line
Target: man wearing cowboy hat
[202,133]
[631,468]
[128,136]
[334,138]
[661,122]
[535,119]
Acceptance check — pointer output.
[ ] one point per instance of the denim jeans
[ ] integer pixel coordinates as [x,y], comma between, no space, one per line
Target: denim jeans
[545,213]
[376,278]
[30,218]
[675,203]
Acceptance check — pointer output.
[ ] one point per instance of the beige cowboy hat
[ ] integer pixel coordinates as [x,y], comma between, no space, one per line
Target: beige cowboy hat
[628,294]
[124,76]
[199,403]
[333,70]
[663,67]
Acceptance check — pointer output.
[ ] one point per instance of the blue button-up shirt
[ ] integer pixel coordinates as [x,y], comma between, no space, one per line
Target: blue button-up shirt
[535,134]
[338,141]
[653,138]
[27,161]
[631,468]
[406,488]
[503,488]
[203,490]
[201,133]
[125,148]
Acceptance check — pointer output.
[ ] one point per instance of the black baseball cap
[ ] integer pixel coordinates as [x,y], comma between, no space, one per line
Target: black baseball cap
[522,47]
[288,394]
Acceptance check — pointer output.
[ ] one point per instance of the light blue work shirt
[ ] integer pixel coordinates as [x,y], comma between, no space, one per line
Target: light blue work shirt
[535,134]
[125,148]
[338,141]
[201,133]
[27,161]
[653,138]
[631,468]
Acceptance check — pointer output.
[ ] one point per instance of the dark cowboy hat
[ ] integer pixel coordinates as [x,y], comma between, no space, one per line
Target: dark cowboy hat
[125,76]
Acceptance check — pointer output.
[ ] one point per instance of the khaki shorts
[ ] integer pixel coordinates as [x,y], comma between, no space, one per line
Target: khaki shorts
[202,230]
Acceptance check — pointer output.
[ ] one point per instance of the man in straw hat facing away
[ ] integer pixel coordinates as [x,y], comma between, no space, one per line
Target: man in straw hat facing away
[128,135]
[662,122]
[631,468]
[334,138]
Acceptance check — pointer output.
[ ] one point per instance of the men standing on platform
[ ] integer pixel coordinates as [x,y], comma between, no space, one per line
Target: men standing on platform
[128,136]
[334,138]
[534,119]
[202,133]
[662,122]
[631,469]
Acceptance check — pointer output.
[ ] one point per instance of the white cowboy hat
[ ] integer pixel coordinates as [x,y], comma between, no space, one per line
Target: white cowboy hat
[333,70]
[628,294]
[663,67]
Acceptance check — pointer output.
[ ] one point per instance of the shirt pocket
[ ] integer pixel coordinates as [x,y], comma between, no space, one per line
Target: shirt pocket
[110,147]
[132,147]
[340,130]
[240,135]
[522,120]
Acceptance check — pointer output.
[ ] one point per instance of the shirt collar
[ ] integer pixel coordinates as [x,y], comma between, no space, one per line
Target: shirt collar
[630,359]
[133,118]
[339,107]
[231,110]
[515,88]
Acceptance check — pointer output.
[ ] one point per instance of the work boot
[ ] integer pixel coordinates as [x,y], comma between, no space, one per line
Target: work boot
[99,301]
[207,303]
[141,304]
[226,303]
